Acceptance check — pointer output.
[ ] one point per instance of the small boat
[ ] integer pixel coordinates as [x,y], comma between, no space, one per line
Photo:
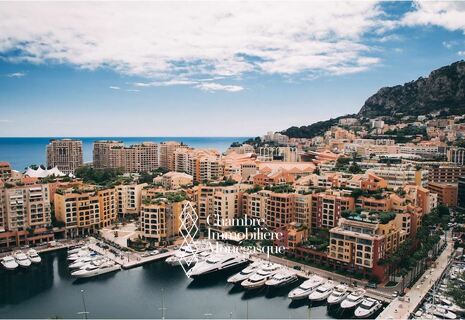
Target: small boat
[9,263]
[216,263]
[339,293]
[22,259]
[353,299]
[245,273]
[258,279]
[322,292]
[34,256]
[305,288]
[92,270]
[182,255]
[367,308]
[281,279]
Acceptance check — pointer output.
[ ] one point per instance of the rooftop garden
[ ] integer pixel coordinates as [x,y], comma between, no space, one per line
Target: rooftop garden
[371,217]
[281,188]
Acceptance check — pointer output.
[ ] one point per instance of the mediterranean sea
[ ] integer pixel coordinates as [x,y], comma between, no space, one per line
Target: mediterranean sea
[22,152]
[47,291]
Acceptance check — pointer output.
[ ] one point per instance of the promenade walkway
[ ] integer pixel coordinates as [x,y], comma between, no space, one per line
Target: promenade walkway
[401,307]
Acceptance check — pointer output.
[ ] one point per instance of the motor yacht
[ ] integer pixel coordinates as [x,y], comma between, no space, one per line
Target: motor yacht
[259,278]
[305,288]
[79,263]
[216,263]
[245,273]
[9,263]
[281,279]
[76,250]
[185,254]
[322,292]
[367,308]
[22,259]
[34,256]
[339,293]
[79,254]
[353,299]
[92,270]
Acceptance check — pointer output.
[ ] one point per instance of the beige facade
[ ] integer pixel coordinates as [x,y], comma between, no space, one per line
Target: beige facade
[136,158]
[24,215]
[66,154]
[86,209]
[129,198]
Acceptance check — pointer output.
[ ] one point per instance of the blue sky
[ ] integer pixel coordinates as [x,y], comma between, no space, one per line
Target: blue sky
[177,69]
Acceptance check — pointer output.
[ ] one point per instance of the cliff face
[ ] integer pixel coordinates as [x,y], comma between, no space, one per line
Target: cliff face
[443,89]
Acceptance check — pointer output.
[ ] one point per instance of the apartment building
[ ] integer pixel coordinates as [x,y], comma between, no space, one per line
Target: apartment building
[85,209]
[128,198]
[223,202]
[65,154]
[327,208]
[174,180]
[358,244]
[280,210]
[24,215]
[461,193]
[456,155]
[402,175]
[161,219]
[254,204]
[167,154]
[135,158]
[5,171]
[446,173]
[205,168]
[446,193]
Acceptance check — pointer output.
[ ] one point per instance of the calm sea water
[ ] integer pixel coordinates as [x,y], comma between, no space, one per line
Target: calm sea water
[22,152]
[47,290]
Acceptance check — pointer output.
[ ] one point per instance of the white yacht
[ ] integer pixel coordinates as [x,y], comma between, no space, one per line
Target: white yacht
[216,263]
[22,259]
[79,263]
[9,263]
[186,253]
[339,293]
[353,299]
[322,292]
[281,279]
[367,308]
[259,278]
[79,254]
[440,312]
[34,256]
[76,250]
[92,270]
[307,287]
[247,272]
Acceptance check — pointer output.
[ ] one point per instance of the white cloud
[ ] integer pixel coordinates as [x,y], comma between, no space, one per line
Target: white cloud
[132,90]
[447,14]
[212,86]
[4,120]
[174,43]
[461,53]
[16,75]
[114,87]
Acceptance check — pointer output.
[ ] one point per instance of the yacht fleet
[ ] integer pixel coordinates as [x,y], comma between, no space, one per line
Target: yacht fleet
[264,274]
[20,259]
[85,263]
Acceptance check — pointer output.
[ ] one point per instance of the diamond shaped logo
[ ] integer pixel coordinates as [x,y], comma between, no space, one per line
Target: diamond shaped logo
[188,231]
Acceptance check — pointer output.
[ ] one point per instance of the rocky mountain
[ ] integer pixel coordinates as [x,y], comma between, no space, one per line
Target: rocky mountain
[443,89]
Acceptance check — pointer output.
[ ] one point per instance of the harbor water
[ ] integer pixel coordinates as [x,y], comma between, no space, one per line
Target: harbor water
[47,290]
